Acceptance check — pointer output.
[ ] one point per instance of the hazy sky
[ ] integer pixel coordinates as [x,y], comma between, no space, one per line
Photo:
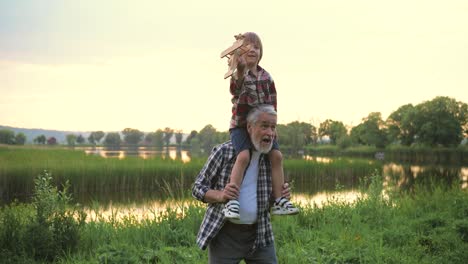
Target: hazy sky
[110,64]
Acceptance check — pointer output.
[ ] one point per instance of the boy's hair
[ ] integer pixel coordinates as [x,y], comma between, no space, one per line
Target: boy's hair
[253,115]
[254,38]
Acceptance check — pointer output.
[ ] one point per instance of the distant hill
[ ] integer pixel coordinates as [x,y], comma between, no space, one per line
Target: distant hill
[32,133]
[61,136]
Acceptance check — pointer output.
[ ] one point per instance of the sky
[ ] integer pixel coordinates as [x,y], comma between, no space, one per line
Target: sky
[112,64]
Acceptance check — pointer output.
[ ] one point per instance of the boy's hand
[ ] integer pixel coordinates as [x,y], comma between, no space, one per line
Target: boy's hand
[286,192]
[240,66]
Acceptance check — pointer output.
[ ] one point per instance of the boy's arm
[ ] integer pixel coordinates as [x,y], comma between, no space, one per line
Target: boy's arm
[239,74]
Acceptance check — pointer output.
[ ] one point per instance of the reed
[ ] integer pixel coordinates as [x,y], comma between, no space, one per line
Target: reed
[129,179]
[317,175]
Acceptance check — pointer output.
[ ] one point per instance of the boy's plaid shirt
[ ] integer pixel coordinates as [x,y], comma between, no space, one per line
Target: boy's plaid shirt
[252,92]
[215,175]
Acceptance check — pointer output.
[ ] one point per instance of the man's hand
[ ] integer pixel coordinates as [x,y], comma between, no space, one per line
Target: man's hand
[230,192]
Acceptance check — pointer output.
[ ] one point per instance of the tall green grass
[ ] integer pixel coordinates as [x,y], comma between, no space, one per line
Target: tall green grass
[92,176]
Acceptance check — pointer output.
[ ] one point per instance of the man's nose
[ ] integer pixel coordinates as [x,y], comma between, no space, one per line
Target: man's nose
[270,131]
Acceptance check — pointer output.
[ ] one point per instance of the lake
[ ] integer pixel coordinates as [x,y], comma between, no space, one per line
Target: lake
[327,178]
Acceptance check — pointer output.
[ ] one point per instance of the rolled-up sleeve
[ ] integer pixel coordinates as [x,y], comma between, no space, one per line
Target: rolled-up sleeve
[206,179]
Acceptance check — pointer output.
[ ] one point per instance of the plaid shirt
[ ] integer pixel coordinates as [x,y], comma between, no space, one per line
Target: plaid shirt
[215,175]
[253,91]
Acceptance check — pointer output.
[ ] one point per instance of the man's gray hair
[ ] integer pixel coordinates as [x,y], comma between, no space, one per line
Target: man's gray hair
[253,115]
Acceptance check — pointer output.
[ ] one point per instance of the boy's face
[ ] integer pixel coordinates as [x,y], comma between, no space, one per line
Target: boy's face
[252,57]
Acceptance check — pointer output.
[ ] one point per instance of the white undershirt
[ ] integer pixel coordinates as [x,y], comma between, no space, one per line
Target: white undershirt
[248,192]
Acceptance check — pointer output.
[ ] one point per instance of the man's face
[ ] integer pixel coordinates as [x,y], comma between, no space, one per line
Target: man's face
[263,132]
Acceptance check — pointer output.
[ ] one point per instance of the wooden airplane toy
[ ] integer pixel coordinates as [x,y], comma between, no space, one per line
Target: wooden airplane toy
[232,53]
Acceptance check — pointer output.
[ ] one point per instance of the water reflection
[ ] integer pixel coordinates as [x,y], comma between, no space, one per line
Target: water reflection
[406,176]
[317,159]
[142,152]
[135,213]
[158,210]
[323,198]
[464,177]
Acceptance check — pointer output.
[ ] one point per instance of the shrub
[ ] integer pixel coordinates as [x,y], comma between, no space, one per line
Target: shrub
[54,230]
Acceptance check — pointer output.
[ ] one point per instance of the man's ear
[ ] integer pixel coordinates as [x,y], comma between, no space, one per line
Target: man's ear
[249,127]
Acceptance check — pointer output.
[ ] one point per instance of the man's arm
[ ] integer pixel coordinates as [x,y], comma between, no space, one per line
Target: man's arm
[209,174]
[231,191]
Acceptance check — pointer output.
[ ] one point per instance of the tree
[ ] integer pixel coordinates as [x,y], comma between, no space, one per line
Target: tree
[333,129]
[132,136]
[20,139]
[222,137]
[207,137]
[401,126]
[178,136]
[71,140]
[168,132]
[7,136]
[95,137]
[156,138]
[91,139]
[441,121]
[191,136]
[40,139]
[52,141]
[80,139]
[112,140]
[295,134]
[371,131]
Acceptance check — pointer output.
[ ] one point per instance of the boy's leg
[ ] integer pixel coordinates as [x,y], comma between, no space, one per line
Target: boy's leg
[282,205]
[237,174]
[242,161]
[277,175]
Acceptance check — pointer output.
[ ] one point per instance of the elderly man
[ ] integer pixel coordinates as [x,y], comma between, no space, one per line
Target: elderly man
[251,237]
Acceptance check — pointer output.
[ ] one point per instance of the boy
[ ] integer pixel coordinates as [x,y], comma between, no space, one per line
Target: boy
[251,85]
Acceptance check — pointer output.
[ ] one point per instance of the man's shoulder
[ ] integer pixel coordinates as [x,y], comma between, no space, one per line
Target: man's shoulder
[225,149]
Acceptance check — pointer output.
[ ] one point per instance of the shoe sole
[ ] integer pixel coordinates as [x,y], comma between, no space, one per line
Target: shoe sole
[235,217]
[285,213]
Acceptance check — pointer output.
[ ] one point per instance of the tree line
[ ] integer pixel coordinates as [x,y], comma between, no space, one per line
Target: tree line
[442,121]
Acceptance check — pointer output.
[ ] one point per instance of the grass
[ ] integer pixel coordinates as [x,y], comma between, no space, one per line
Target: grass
[429,225]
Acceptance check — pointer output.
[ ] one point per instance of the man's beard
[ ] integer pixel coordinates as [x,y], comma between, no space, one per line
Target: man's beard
[262,149]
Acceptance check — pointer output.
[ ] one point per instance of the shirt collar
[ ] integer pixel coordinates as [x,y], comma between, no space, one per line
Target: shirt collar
[259,71]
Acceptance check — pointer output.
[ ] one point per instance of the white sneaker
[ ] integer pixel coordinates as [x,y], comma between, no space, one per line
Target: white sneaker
[231,209]
[284,207]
